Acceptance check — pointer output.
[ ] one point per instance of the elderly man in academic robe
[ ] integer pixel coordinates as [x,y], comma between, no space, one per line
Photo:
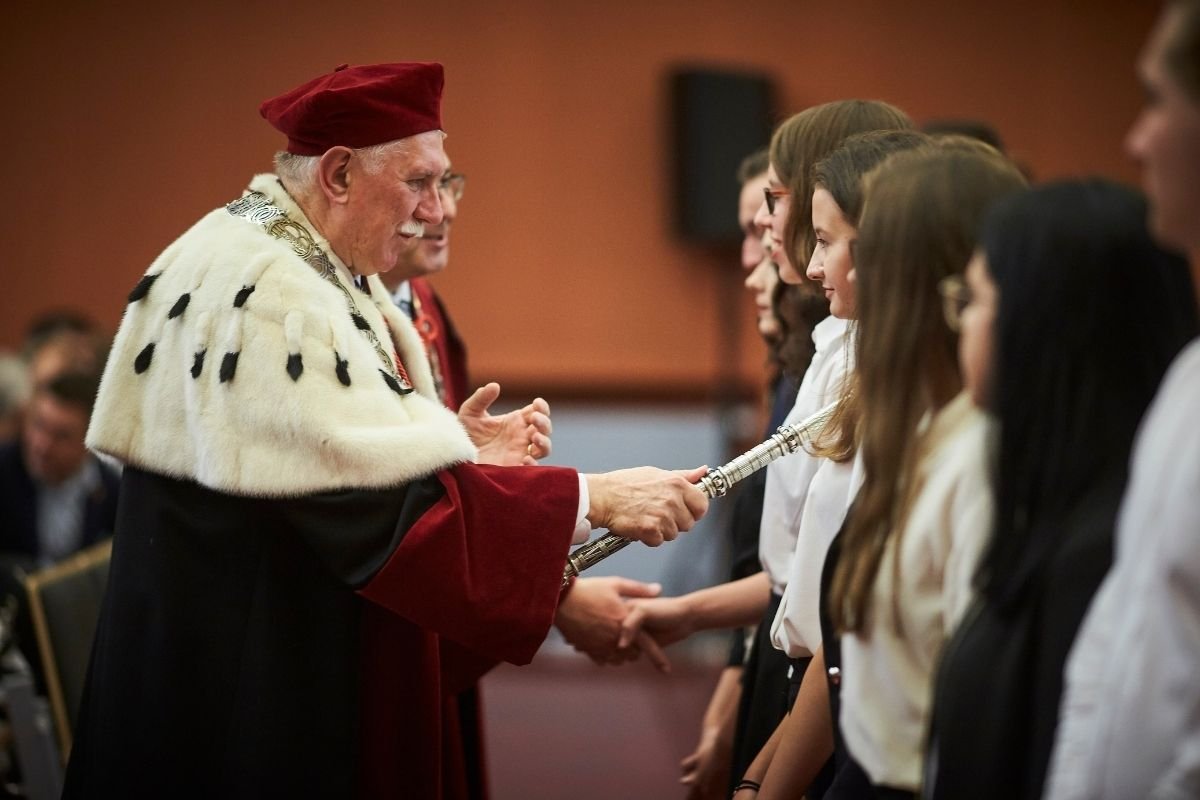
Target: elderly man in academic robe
[310,552]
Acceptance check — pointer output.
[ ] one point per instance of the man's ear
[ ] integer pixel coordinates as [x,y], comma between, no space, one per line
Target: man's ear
[333,174]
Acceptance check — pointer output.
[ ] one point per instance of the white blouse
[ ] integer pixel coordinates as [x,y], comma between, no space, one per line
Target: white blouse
[797,626]
[887,671]
[789,477]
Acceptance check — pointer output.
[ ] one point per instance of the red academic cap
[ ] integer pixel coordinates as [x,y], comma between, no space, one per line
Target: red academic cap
[358,107]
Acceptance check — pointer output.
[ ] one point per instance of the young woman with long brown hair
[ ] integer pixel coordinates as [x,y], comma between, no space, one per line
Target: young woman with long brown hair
[911,542]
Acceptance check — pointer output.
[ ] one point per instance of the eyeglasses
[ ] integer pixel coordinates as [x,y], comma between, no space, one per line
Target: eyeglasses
[453,185]
[956,296]
[773,195]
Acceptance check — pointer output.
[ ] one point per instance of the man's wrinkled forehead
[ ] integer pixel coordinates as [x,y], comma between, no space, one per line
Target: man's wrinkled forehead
[421,157]
[435,165]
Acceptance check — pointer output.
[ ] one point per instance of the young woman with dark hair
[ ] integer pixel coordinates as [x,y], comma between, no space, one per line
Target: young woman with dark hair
[1072,316]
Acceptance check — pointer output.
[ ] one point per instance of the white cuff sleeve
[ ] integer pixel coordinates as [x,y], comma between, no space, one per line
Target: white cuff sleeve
[583,528]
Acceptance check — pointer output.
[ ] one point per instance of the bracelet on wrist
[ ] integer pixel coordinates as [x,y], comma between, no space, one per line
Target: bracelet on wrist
[747,784]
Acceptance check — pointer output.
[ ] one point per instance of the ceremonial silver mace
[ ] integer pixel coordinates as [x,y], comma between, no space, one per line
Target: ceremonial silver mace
[715,483]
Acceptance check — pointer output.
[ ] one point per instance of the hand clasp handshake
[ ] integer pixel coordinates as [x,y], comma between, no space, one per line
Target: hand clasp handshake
[646,504]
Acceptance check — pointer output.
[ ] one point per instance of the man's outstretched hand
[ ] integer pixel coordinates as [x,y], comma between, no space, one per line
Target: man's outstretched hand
[517,438]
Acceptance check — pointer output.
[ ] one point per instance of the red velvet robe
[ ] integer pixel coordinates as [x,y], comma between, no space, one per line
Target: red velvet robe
[464,773]
[399,727]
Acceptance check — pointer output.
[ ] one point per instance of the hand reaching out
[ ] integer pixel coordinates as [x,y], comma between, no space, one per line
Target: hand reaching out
[706,770]
[664,620]
[589,616]
[517,438]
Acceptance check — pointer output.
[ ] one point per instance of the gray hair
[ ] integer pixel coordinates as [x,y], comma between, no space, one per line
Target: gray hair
[299,173]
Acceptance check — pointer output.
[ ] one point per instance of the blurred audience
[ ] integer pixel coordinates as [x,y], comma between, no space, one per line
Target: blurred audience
[14,392]
[63,341]
[57,497]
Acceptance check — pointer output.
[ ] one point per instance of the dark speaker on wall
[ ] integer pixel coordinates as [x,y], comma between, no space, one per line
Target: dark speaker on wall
[719,118]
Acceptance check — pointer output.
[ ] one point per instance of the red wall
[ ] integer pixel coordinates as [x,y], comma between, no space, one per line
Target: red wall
[125,124]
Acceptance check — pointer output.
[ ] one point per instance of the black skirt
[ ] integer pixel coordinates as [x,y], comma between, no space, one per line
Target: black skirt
[764,701]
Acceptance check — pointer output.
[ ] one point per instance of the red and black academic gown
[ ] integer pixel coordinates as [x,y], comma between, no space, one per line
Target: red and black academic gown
[457,661]
[303,647]
[463,755]
[305,562]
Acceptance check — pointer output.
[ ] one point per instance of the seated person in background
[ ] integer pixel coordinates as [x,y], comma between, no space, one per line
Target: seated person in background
[55,497]
[65,350]
[50,323]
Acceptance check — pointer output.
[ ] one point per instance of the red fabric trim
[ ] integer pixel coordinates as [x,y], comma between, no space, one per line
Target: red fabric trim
[481,569]
[451,353]
[483,566]
[400,706]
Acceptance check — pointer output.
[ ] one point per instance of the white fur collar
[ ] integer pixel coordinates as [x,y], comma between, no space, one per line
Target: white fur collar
[250,397]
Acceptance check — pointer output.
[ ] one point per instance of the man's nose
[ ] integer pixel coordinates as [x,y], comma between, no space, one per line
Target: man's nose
[430,210]
[449,206]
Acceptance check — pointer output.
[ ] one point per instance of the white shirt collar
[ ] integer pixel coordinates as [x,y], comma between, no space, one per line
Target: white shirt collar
[828,330]
[403,293]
